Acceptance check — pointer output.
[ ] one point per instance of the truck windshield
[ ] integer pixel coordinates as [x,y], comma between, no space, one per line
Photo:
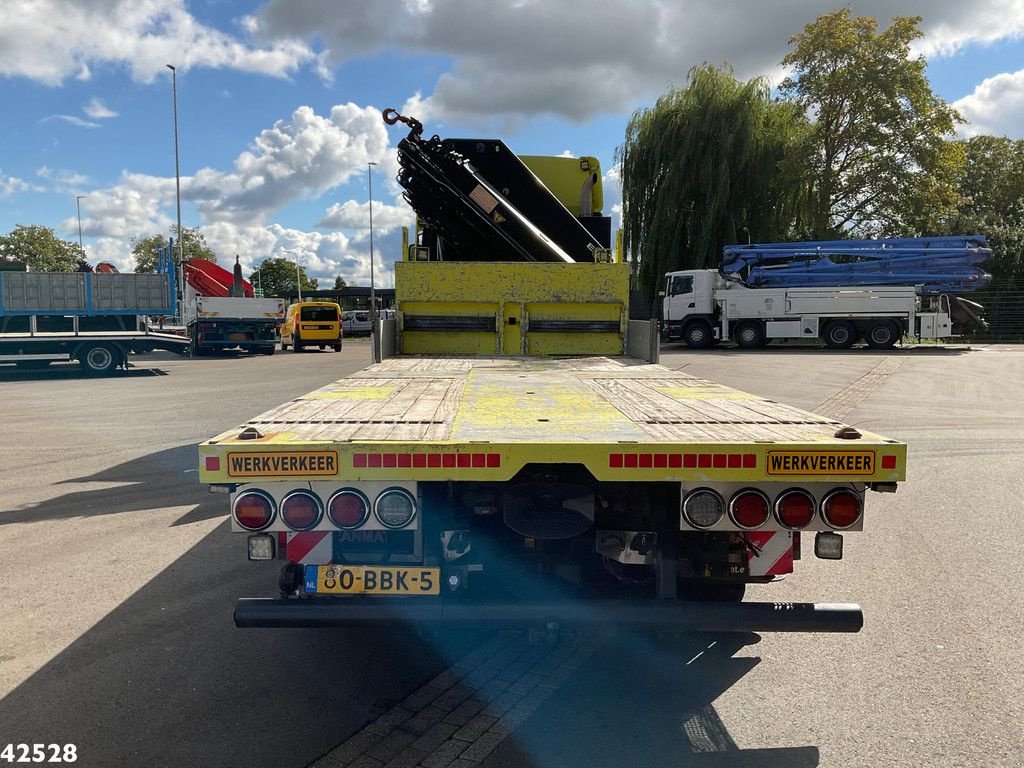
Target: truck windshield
[680,284]
[319,314]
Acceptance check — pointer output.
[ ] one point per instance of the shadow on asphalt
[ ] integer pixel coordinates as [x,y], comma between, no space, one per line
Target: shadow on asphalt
[773,349]
[71,371]
[158,480]
[643,700]
[167,680]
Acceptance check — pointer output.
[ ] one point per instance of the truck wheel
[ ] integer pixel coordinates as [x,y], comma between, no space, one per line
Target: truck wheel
[882,335]
[337,347]
[840,334]
[698,335]
[750,335]
[99,359]
[296,344]
[267,350]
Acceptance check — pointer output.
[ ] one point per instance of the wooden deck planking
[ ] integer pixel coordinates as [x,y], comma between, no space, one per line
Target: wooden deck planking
[421,400]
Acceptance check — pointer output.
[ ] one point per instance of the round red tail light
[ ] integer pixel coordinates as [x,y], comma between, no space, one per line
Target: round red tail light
[254,510]
[794,509]
[841,509]
[348,508]
[301,510]
[749,509]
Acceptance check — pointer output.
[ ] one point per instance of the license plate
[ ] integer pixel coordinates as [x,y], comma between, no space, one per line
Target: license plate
[372,580]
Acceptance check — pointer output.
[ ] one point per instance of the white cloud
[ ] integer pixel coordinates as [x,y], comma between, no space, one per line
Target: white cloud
[70,119]
[53,40]
[97,110]
[322,255]
[12,184]
[356,216]
[298,158]
[64,181]
[133,208]
[995,107]
[580,58]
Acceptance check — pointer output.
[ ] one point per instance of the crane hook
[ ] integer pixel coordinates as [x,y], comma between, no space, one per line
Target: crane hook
[391,117]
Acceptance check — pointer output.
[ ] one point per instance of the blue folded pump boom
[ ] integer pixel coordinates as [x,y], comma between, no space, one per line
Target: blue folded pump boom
[934,264]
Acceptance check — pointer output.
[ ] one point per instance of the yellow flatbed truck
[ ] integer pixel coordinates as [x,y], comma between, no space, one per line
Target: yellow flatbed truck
[518,457]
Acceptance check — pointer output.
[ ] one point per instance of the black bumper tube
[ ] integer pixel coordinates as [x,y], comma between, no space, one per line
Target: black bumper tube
[670,615]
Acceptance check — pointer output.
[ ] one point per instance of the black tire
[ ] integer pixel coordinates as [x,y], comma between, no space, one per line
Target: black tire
[296,344]
[322,347]
[750,335]
[267,350]
[99,359]
[839,334]
[698,335]
[33,365]
[337,347]
[882,334]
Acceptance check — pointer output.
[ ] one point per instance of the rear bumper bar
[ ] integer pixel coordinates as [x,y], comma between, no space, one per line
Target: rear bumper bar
[672,615]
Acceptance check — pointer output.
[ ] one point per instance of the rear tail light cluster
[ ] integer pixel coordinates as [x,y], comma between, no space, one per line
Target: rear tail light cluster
[750,509]
[302,510]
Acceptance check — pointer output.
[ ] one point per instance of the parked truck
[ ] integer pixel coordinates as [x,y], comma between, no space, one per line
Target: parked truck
[838,292]
[221,311]
[97,318]
[519,457]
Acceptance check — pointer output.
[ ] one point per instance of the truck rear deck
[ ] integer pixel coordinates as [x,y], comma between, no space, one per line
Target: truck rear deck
[485,418]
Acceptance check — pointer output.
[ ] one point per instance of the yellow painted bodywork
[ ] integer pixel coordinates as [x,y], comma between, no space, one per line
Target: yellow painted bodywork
[565,177]
[514,295]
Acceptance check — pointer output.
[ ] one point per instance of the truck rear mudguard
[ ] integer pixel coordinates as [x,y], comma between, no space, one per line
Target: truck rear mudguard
[663,615]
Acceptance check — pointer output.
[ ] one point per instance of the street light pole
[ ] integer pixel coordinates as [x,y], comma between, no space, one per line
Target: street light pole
[177,183]
[298,276]
[373,291]
[78,206]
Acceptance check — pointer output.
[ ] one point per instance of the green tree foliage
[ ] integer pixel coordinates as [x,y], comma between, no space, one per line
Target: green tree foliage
[41,249]
[277,277]
[339,283]
[880,163]
[991,187]
[702,164]
[193,245]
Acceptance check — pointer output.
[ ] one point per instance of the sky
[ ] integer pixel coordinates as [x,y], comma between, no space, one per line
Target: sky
[279,102]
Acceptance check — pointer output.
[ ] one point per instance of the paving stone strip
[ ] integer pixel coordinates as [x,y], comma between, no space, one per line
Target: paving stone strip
[457,719]
[843,402]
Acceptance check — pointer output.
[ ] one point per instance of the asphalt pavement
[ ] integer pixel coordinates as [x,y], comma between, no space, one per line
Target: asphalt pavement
[119,576]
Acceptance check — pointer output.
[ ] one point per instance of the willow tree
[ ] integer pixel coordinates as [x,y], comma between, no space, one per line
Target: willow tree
[714,163]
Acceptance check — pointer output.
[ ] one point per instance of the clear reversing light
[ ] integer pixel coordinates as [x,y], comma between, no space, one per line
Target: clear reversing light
[301,510]
[749,509]
[253,510]
[841,508]
[794,509]
[348,508]
[395,508]
[703,508]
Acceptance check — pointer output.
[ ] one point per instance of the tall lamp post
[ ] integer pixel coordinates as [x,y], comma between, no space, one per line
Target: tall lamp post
[78,207]
[298,276]
[177,183]
[373,291]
